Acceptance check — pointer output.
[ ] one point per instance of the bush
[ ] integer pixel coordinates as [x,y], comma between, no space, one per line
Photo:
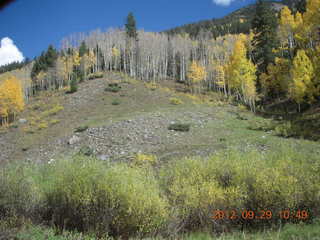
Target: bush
[73,85]
[151,85]
[182,127]
[116,102]
[19,194]
[144,159]
[81,128]
[113,87]
[175,101]
[84,194]
[241,180]
[195,192]
[86,151]
[95,75]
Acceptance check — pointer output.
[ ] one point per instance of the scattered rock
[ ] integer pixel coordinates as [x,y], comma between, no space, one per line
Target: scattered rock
[74,140]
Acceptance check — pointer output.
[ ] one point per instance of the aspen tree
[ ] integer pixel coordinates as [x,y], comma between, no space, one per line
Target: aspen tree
[302,87]
[196,74]
[11,98]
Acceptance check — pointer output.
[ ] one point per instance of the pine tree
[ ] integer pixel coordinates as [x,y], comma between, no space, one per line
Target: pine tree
[131,28]
[264,26]
[83,49]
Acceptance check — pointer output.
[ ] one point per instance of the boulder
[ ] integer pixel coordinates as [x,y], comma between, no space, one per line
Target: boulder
[74,140]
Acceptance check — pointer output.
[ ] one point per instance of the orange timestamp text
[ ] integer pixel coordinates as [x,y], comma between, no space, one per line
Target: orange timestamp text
[259,215]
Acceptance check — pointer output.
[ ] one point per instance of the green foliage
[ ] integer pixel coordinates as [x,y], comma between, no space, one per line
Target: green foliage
[40,233]
[95,75]
[120,199]
[264,25]
[46,60]
[113,87]
[230,24]
[261,125]
[81,128]
[239,180]
[19,194]
[115,102]
[83,49]
[13,66]
[86,151]
[182,127]
[130,26]
[73,84]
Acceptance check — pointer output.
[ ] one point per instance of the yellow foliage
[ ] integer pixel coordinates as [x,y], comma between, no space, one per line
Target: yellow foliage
[52,111]
[142,159]
[302,78]
[277,78]
[115,52]
[241,72]
[76,59]
[220,75]
[42,125]
[152,85]
[175,101]
[11,97]
[196,72]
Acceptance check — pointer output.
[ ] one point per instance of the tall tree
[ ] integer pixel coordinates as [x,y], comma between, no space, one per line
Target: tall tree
[131,28]
[264,26]
[302,87]
[83,49]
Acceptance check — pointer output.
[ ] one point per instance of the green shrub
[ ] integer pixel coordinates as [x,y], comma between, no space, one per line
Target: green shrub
[301,231]
[115,102]
[81,128]
[113,87]
[86,151]
[182,127]
[73,85]
[95,75]
[19,194]
[195,192]
[242,180]
[84,194]
[260,124]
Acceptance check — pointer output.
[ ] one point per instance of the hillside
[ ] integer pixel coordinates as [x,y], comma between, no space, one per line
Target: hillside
[236,22]
[115,127]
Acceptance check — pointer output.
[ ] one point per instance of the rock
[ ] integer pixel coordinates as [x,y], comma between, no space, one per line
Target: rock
[74,140]
[103,157]
[23,121]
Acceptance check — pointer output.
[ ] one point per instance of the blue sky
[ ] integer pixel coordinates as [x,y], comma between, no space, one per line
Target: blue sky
[34,24]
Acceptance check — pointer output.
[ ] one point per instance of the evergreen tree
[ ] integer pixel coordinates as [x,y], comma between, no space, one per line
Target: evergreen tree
[131,28]
[83,49]
[265,40]
[73,83]
[51,56]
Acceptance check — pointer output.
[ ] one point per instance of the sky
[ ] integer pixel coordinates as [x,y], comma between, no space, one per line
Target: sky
[27,27]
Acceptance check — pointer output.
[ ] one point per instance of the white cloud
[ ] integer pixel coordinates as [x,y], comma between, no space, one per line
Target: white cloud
[222,2]
[9,52]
